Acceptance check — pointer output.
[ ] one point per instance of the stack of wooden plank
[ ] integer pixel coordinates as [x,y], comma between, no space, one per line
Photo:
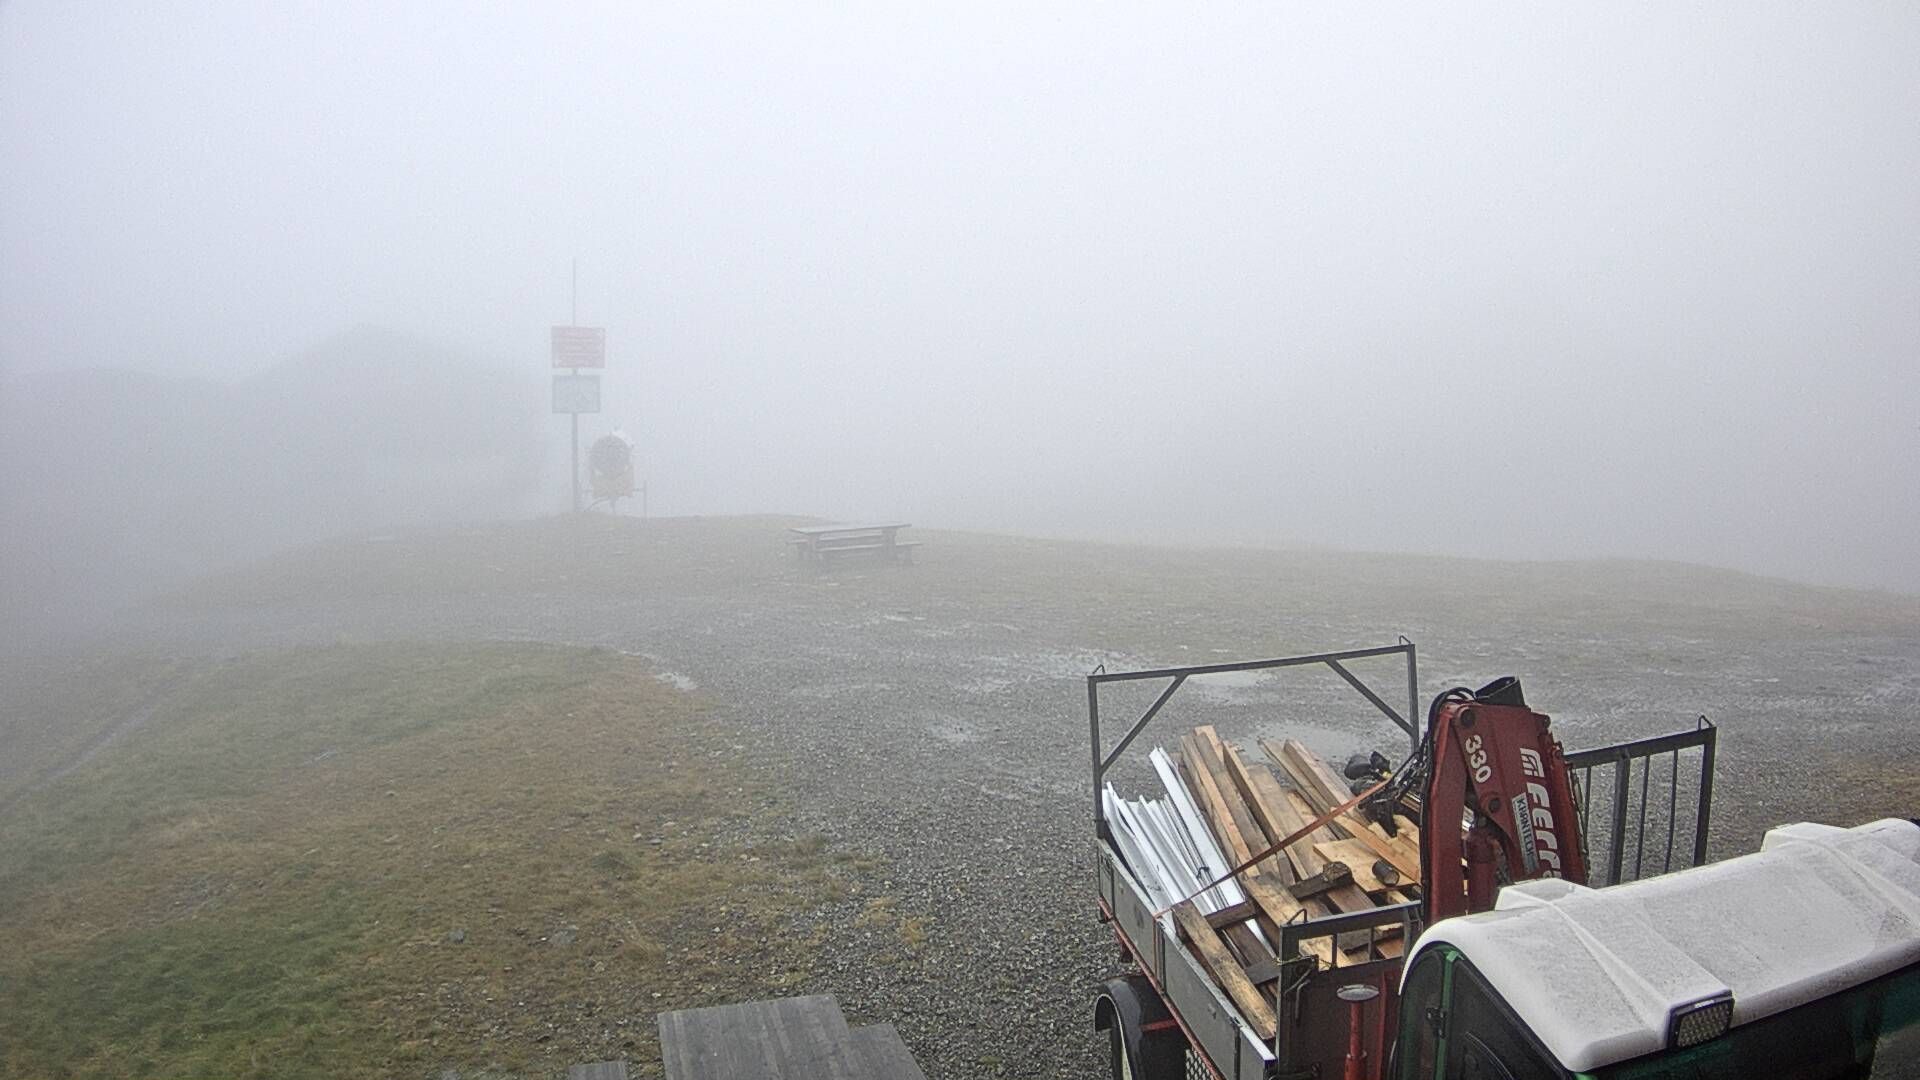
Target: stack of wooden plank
[1221,810]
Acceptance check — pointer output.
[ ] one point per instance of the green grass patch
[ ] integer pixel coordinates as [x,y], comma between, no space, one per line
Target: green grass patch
[395,860]
[253,994]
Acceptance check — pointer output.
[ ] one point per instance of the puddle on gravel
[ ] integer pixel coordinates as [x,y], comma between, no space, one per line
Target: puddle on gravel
[1232,685]
[952,731]
[1333,744]
[1052,664]
[827,691]
[686,684]
[678,681]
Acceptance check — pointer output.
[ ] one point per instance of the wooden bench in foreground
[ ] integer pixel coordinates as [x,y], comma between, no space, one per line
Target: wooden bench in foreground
[826,543]
[801,1038]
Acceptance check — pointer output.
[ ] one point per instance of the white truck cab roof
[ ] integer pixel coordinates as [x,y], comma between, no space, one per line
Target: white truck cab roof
[1597,973]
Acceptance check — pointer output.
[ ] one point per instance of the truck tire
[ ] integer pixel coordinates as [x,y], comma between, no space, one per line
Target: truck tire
[1143,1041]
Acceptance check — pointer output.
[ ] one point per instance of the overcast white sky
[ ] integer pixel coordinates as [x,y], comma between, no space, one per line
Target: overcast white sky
[1528,281]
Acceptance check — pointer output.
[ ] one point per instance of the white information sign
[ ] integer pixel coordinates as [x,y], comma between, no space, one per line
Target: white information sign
[576,393]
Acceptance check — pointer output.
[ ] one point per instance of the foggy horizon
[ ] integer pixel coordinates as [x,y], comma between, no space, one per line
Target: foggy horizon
[1165,412]
[1631,284]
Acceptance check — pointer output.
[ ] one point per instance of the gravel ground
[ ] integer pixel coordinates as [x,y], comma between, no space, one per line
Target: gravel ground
[934,715]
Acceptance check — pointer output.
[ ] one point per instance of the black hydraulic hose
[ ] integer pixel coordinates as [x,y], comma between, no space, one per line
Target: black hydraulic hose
[1413,772]
[1418,768]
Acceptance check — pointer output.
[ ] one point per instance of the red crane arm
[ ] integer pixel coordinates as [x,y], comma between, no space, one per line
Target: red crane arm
[1498,767]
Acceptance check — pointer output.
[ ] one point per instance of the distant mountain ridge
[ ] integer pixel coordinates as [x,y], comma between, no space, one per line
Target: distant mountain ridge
[115,484]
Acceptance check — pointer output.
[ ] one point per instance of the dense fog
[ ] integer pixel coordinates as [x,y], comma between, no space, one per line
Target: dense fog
[1637,282]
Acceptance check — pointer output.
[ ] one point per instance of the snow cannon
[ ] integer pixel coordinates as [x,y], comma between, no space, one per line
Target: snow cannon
[610,460]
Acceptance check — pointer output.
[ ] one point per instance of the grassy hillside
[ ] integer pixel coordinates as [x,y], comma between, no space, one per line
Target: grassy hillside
[359,861]
[1614,649]
[402,858]
[1135,595]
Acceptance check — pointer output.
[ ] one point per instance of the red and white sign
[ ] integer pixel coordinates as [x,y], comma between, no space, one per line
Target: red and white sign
[579,346]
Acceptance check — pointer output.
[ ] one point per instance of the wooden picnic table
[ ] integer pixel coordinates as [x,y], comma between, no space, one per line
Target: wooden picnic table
[819,543]
[804,1038]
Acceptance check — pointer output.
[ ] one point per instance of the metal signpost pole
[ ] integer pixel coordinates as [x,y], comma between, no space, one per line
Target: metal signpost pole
[573,319]
[576,347]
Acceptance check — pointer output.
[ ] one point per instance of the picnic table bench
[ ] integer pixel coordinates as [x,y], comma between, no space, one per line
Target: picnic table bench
[801,1038]
[823,543]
